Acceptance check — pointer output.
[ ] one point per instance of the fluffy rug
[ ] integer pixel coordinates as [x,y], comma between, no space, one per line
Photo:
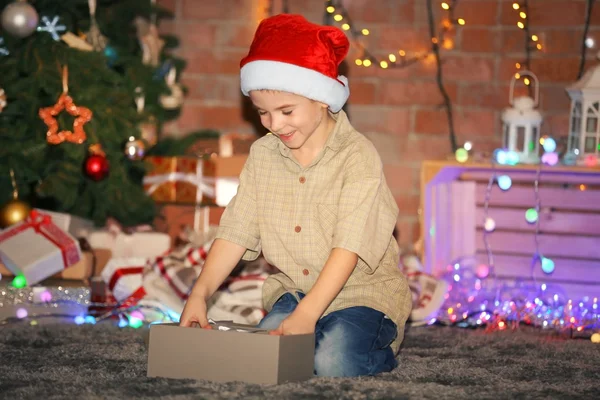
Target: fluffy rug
[102,361]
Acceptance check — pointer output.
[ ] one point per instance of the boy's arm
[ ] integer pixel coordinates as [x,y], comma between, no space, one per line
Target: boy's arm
[222,258]
[331,280]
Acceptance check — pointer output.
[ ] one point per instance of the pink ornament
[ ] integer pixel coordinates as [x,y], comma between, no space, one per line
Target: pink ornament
[482,271]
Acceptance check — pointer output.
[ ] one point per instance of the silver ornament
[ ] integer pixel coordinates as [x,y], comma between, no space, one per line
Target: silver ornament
[19,19]
[135,149]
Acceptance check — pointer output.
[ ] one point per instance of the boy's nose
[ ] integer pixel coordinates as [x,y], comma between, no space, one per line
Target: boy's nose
[276,125]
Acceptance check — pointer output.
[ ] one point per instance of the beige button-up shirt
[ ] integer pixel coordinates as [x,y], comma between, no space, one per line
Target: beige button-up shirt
[296,215]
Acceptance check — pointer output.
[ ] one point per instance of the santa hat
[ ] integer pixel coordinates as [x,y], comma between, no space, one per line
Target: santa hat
[290,54]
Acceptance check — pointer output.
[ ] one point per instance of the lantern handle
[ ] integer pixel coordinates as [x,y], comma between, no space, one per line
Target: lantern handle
[536,84]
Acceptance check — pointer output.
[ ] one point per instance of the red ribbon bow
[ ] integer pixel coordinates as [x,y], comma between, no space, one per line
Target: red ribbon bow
[42,224]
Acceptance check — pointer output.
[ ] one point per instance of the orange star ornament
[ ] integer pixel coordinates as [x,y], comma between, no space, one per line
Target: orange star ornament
[65,102]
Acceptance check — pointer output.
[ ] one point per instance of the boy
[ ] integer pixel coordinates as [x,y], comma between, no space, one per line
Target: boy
[313,198]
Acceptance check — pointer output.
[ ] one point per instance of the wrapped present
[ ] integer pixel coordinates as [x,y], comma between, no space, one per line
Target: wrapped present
[37,248]
[75,226]
[190,180]
[91,264]
[123,278]
[137,244]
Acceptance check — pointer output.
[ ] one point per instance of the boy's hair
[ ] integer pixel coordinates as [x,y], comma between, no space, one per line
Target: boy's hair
[292,55]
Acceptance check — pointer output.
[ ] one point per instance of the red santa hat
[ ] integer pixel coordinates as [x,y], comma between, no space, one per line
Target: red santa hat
[290,54]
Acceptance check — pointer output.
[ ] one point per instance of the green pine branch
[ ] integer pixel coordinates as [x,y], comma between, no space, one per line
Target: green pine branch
[51,176]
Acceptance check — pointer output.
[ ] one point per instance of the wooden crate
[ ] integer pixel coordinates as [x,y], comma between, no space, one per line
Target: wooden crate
[453,197]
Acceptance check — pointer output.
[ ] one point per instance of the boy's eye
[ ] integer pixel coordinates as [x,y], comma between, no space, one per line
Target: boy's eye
[262,112]
[287,112]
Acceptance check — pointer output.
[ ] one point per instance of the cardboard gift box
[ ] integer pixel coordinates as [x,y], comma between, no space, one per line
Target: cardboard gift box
[91,264]
[37,248]
[192,180]
[75,226]
[226,354]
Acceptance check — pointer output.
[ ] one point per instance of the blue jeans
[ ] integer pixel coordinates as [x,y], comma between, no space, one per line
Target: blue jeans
[350,342]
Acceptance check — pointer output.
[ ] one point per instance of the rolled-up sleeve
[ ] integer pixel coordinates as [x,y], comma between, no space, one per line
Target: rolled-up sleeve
[366,216]
[239,222]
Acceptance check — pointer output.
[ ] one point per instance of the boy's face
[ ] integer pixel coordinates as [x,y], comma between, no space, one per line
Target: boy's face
[292,118]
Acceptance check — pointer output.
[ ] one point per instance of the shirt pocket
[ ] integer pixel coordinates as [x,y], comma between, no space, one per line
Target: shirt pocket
[325,222]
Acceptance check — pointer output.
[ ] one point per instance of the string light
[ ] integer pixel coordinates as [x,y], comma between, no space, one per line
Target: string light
[475,297]
[586,42]
[366,59]
[532,42]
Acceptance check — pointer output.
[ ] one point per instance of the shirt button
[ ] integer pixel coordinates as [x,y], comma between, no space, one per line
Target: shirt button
[298,228]
[305,271]
[302,179]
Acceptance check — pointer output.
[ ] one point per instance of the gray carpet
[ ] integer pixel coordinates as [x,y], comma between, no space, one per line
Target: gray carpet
[102,361]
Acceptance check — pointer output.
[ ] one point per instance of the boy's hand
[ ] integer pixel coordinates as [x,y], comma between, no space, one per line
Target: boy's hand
[194,313]
[297,323]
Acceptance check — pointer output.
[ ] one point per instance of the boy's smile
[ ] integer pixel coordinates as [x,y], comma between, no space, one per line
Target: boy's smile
[287,137]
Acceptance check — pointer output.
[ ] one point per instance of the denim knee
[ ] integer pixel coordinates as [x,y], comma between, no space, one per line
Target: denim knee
[281,310]
[354,342]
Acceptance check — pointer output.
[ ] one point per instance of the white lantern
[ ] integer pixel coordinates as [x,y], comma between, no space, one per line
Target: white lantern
[522,123]
[584,130]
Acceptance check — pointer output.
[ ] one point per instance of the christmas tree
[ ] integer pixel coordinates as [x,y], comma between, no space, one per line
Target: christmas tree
[110,61]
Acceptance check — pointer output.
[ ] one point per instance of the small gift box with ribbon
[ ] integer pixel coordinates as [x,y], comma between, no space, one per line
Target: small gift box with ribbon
[123,277]
[138,241]
[37,249]
[191,180]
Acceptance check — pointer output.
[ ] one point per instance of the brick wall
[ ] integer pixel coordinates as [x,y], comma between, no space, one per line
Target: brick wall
[398,109]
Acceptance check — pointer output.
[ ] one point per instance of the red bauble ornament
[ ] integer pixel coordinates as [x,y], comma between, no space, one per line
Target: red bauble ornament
[97,167]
